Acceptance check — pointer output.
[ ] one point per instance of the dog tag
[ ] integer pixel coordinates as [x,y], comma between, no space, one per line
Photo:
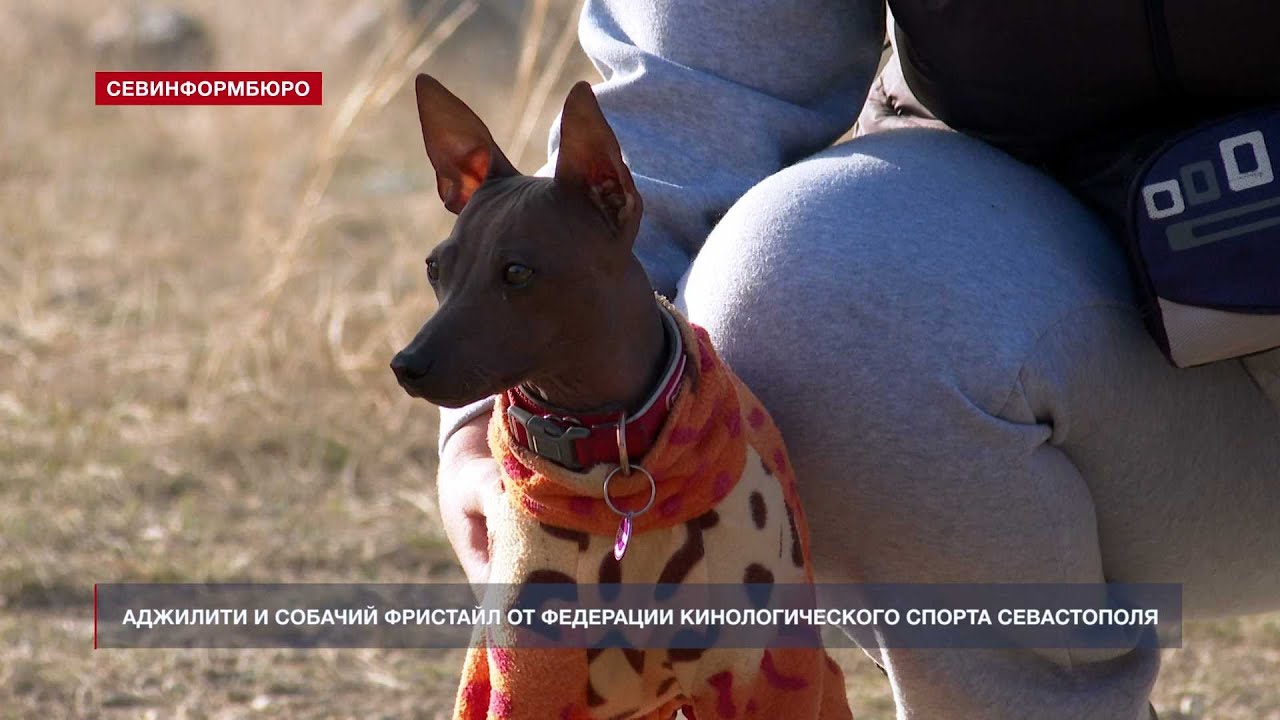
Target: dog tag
[623,537]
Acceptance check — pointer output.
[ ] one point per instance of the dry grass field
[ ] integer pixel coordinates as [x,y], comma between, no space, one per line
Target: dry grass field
[197,307]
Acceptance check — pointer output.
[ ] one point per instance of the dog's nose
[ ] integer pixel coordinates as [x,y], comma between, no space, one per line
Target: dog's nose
[407,368]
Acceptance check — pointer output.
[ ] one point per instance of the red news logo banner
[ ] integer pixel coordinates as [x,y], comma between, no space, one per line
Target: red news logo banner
[209,88]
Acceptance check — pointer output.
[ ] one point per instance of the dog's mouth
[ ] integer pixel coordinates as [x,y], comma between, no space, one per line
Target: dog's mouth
[443,399]
[477,385]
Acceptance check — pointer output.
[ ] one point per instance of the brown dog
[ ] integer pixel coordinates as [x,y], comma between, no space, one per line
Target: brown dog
[619,432]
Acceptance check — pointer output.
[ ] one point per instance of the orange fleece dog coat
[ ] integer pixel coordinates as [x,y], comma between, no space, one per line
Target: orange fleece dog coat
[726,511]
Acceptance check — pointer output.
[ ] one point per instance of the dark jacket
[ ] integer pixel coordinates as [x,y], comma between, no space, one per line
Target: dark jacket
[1083,89]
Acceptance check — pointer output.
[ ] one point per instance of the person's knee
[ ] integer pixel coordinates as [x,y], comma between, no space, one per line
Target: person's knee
[882,305]
[895,256]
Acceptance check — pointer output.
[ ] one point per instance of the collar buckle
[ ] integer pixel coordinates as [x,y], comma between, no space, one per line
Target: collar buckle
[549,438]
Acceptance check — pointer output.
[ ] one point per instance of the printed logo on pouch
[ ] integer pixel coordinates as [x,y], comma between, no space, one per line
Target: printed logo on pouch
[1245,161]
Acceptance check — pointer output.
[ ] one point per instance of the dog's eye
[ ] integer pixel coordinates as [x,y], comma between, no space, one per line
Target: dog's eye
[433,270]
[516,274]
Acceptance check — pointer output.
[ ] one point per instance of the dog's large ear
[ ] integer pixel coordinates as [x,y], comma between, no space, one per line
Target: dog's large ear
[591,159]
[460,147]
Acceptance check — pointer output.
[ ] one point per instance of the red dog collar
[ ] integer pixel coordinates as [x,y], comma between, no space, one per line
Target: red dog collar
[579,441]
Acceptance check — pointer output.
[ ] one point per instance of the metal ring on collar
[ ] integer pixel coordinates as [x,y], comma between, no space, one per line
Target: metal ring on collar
[653,491]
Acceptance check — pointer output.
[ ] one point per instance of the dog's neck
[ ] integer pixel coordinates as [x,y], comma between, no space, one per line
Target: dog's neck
[619,366]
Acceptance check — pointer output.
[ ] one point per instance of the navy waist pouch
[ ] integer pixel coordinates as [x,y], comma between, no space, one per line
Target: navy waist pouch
[1204,235]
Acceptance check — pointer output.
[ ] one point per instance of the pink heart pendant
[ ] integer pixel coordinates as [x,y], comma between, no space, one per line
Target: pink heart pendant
[623,537]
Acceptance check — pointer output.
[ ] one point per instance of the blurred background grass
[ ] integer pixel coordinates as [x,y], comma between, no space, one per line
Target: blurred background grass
[197,307]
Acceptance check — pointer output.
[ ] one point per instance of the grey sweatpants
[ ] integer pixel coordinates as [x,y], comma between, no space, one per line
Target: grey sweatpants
[950,346]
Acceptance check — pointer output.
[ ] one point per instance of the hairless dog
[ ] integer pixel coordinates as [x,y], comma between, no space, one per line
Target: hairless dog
[619,432]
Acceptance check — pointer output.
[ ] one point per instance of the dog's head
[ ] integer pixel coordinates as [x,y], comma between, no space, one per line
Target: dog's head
[530,269]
